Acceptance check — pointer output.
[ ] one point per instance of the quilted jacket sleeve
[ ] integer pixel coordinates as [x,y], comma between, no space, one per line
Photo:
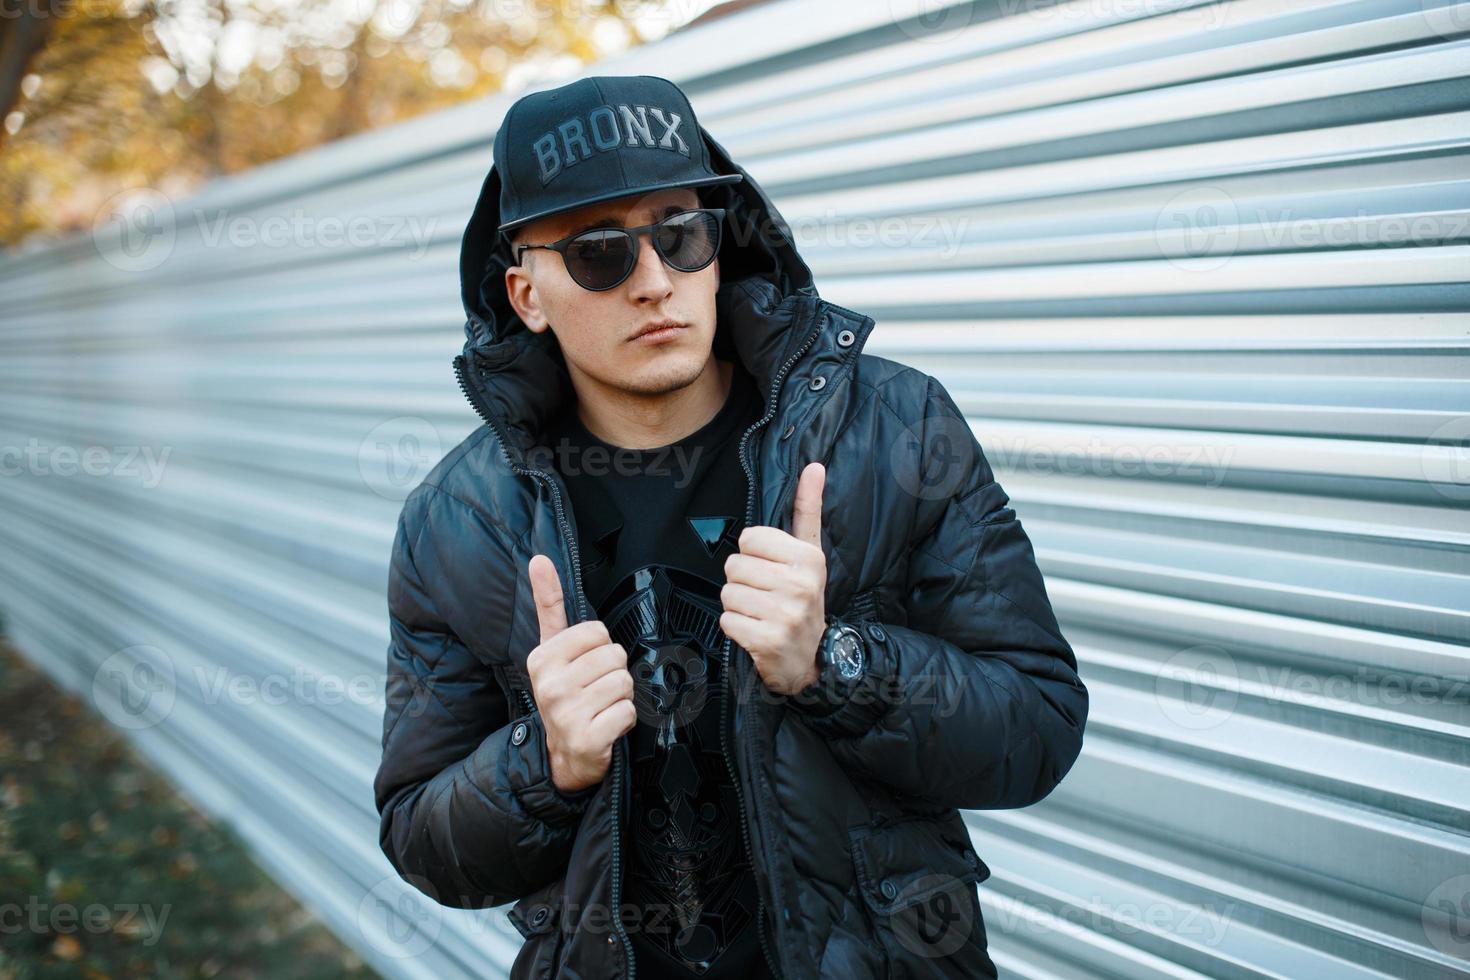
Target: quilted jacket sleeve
[468,813]
[976,702]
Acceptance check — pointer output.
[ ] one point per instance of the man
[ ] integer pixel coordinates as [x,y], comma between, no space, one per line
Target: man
[701,642]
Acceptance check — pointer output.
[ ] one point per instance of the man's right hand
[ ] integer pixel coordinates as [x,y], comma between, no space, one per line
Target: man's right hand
[581,683]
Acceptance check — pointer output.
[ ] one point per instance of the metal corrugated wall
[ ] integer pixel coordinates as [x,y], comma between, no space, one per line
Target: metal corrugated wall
[1198,273]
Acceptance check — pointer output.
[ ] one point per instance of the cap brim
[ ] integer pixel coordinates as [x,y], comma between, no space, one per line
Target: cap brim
[623,192]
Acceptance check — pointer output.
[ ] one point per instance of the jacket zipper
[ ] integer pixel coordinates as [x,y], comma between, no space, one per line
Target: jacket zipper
[750,517]
[618,757]
[570,538]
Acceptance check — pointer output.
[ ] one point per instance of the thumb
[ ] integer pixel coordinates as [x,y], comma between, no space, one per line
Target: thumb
[806,520]
[546,591]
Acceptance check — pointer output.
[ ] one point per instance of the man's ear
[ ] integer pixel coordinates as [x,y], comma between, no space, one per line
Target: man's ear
[520,289]
[520,282]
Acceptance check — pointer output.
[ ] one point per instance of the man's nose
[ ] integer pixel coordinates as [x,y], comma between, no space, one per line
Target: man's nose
[650,277]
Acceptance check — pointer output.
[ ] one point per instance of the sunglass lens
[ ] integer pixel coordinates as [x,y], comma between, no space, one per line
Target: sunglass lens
[690,240]
[600,259]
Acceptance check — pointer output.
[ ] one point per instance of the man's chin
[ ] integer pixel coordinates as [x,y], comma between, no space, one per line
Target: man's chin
[671,372]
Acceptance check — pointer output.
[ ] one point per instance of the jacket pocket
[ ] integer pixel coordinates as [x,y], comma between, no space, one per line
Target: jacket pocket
[918,878]
[536,918]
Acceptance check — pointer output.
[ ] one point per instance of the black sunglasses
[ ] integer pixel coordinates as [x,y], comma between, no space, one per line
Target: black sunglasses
[603,257]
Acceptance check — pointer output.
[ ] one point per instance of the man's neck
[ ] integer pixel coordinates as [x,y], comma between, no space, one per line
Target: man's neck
[647,422]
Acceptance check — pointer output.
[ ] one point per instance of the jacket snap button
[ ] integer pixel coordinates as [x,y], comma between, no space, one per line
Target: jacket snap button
[818,383]
[876,632]
[518,733]
[845,338]
[540,915]
[611,940]
[889,889]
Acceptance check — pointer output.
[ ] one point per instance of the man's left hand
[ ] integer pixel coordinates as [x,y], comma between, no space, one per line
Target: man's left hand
[775,589]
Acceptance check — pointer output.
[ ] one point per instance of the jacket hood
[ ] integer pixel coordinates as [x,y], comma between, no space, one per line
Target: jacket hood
[520,377]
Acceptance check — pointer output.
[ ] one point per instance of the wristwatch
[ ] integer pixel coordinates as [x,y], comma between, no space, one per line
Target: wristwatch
[842,653]
[842,659]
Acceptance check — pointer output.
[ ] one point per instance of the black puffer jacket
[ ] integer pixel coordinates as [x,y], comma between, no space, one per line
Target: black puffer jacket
[973,700]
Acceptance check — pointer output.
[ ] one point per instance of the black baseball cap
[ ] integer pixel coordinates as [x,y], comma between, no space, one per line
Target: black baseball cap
[596,139]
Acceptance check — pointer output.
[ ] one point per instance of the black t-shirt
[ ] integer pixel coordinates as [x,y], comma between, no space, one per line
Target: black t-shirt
[654,528]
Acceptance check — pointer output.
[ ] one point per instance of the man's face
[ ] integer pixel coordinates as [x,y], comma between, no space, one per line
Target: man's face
[595,329]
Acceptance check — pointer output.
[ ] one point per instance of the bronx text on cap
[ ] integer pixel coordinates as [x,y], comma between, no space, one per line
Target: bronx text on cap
[609,130]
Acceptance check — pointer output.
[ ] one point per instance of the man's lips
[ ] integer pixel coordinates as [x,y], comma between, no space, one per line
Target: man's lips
[661,330]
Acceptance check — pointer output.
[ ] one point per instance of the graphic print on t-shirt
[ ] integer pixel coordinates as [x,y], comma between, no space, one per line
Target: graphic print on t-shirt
[687,869]
[655,532]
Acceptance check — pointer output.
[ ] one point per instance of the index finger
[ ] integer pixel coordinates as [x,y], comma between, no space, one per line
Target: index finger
[771,543]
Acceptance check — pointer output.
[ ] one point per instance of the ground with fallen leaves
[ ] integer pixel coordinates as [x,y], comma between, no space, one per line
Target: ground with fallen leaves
[106,872]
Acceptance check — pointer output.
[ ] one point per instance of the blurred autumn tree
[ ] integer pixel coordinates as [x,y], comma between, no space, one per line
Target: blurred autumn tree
[114,94]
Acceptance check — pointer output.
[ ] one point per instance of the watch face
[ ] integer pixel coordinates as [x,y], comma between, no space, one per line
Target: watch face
[848,655]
